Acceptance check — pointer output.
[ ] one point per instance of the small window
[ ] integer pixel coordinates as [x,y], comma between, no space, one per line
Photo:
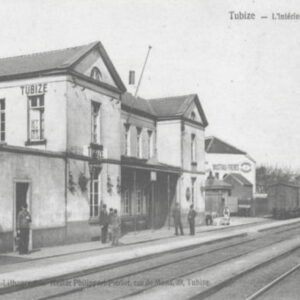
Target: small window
[139,202]
[139,150]
[126,203]
[193,116]
[193,148]
[96,130]
[2,120]
[150,143]
[127,139]
[96,74]
[95,195]
[193,181]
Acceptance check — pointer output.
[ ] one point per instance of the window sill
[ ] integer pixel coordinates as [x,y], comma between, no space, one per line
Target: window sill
[3,144]
[36,143]
[95,146]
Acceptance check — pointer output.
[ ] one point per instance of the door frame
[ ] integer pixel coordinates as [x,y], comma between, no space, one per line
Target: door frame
[28,198]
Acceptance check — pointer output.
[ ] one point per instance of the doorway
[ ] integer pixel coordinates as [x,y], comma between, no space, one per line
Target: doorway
[22,189]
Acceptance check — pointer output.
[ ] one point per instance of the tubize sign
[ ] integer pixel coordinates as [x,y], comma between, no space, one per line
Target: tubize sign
[244,167]
[34,89]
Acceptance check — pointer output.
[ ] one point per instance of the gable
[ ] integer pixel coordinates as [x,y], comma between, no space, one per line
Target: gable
[194,110]
[91,60]
[192,113]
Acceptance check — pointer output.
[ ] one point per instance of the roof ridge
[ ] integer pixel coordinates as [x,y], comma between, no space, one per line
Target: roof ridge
[44,52]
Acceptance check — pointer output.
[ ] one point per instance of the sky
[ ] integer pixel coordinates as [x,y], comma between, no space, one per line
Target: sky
[245,72]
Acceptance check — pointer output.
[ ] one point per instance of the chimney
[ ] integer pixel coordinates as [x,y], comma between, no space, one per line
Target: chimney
[131,79]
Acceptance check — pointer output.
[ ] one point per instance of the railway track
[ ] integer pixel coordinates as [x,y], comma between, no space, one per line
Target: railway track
[164,268]
[258,294]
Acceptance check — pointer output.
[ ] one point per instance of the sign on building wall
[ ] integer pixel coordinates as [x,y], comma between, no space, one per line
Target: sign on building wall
[244,167]
[34,89]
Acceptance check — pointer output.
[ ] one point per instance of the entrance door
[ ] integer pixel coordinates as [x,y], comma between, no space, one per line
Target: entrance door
[21,198]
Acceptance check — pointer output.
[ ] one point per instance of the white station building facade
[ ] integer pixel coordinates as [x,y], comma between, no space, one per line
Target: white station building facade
[72,139]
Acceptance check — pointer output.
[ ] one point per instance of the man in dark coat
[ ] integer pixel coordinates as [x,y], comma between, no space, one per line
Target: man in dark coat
[191,218]
[177,219]
[104,221]
[110,220]
[23,226]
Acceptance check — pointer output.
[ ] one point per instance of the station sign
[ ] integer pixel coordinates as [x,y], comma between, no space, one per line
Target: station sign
[34,89]
[244,167]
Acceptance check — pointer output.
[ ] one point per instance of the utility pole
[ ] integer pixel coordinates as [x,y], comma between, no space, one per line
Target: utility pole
[139,83]
[140,80]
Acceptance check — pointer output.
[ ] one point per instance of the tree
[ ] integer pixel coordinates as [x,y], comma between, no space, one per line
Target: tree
[267,175]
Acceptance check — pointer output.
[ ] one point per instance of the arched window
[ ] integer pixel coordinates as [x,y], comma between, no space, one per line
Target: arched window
[193,115]
[96,74]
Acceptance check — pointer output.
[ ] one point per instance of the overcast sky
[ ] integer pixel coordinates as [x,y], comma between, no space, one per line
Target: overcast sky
[246,73]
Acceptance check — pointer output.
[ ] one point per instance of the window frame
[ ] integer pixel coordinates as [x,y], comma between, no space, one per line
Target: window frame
[150,143]
[139,202]
[193,116]
[2,120]
[127,139]
[96,74]
[193,184]
[193,148]
[39,107]
[95,195]
[139,144]
[95,122]
[126,207]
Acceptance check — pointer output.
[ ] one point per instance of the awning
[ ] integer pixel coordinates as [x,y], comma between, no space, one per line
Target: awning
[149,165]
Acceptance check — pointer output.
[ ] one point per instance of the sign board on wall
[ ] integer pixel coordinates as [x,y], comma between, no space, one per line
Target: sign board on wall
[34,89]
[244,167]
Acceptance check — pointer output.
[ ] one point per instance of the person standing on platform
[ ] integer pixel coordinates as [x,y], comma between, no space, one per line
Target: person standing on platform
[110,217]
[116,228]
[23,226]
[104,220]
[177,219]
[191,218]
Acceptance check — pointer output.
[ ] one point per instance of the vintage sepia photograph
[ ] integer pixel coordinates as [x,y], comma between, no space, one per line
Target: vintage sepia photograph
[149,149]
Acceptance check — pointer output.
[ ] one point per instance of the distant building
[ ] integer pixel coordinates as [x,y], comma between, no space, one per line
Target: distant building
[223,159]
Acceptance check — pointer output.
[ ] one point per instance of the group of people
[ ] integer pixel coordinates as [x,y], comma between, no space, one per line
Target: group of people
[177,219]
[111,225]
[211,217]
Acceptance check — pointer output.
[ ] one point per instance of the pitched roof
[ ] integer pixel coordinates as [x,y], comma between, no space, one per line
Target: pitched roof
[239,178]
[138,103]
[216,145]
[171,106]
[164,107]
[56,60]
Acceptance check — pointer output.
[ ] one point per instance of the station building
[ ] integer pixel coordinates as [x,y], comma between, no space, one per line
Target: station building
[72,139]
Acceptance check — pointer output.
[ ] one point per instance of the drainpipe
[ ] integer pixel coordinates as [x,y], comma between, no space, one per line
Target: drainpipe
[66,196]
[168,187]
